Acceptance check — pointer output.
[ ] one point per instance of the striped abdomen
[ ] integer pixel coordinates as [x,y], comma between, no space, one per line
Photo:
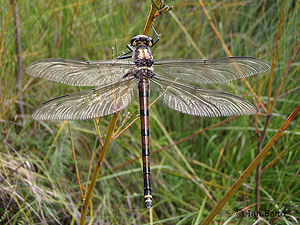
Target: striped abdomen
[143,86]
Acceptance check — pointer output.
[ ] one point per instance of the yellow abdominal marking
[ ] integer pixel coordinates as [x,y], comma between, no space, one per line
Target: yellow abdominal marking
[148,196]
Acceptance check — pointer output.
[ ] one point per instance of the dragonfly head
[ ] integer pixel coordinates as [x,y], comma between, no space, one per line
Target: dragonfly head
[141,40]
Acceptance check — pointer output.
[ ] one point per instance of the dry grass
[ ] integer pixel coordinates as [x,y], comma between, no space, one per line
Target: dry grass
[194,160]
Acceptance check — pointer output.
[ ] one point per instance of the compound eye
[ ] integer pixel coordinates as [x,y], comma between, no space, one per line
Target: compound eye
[134,41]
[150,41]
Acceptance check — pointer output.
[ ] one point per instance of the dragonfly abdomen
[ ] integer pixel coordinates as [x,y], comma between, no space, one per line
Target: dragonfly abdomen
[143,87]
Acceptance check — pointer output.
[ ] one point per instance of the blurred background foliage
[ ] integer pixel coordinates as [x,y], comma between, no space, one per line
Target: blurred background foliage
[38,174]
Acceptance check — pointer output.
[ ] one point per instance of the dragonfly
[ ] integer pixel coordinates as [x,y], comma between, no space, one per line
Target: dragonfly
[136,74]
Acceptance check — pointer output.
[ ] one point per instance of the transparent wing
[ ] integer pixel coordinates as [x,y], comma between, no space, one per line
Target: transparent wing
[200,102]
[80,73]
[88,104]
[209,71]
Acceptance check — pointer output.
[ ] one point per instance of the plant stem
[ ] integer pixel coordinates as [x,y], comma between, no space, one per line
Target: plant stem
[151,18]
[19,59]
[107,141]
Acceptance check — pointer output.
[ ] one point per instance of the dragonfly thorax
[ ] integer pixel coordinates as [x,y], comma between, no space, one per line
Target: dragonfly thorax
[142,55]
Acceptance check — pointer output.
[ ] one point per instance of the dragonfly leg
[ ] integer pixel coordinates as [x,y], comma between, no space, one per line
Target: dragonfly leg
[125,55]
[157,35]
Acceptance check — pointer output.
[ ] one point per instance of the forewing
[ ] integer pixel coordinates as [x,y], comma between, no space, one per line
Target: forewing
[80,73]
[200,102]
[88,104]
[209,71]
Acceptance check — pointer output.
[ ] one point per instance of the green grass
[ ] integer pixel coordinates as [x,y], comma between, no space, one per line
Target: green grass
[38,174]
